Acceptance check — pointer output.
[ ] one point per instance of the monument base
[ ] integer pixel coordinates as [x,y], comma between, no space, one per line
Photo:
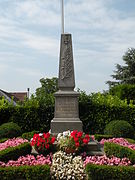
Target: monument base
[66,115]
[62,124]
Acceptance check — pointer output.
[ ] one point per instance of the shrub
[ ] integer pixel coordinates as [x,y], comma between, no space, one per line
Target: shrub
[97,110]
[124,91]
[104,172]
[29,135]
[25,172]
[9,130]
[99,137]
[119,128]
[112,149]
[15,152]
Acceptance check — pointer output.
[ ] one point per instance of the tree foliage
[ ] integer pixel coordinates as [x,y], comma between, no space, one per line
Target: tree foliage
[125,74]
[44,94]
[124,91]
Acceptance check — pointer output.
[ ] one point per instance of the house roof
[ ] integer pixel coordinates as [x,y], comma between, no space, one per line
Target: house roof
[13,96]
[19,95]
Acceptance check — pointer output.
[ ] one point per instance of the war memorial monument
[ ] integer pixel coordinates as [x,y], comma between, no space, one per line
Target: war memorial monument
[66,116]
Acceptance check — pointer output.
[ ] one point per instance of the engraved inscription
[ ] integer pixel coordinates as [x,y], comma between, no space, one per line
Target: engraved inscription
[66,108]
[66,59]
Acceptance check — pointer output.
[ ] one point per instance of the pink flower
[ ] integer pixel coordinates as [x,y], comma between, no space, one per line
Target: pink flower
[103,160]
[12,143]
[120,141]
[29,160]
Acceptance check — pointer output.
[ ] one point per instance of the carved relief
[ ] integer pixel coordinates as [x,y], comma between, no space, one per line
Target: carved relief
[66,59]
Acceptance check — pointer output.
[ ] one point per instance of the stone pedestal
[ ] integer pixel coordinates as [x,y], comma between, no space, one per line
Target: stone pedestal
[66,116]
[66,112]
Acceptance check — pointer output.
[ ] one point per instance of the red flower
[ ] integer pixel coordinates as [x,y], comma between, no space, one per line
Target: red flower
[80,134]
[42,142]
[85,141]
[87,137]
[52,140]
[76,139]
[46,135]
[77,144]
[47,146]
[73,133]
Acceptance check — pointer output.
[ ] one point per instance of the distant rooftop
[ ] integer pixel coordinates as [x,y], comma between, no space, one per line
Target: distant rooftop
[16,96]
[19,95]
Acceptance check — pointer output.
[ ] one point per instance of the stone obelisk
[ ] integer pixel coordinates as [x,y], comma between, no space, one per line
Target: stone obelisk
[66,116]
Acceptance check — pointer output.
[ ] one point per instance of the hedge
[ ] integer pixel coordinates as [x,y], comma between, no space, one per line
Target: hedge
[112,149]
[40,172]
[99,137]
[105,172]
[95,112]
[28,118]
[29,135]
[15,152]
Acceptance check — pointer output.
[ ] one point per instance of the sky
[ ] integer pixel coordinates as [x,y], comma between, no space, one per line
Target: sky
[30,31]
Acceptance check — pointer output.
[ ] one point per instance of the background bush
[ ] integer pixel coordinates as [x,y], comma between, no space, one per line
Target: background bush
[95,110]
[124,91]
[9,130]
[119,128]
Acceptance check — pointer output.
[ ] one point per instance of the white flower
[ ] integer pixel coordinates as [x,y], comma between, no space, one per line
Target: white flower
[66,133]
[59,135]
[40,134]
[50,131]
[31,139]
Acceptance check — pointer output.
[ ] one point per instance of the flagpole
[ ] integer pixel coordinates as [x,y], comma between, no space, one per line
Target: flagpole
[62,16]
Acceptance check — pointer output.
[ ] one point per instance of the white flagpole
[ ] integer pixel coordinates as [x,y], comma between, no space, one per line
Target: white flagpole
[62,16]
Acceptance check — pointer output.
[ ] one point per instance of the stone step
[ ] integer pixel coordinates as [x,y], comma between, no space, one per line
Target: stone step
[95,153]
[92,146]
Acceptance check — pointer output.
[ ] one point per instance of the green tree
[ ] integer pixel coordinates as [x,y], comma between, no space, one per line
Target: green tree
[44,94]
[125,74]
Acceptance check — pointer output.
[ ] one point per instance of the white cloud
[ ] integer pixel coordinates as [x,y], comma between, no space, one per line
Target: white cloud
[29,29]
[39,12]
[28,72]
[46,45]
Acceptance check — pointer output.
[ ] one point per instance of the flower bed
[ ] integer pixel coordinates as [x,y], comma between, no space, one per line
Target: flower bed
[104,160]
[43,142]
[12,143]
[29,160]
[71,142]
[15,152]
[66,166]
[62,164]
[120,141]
